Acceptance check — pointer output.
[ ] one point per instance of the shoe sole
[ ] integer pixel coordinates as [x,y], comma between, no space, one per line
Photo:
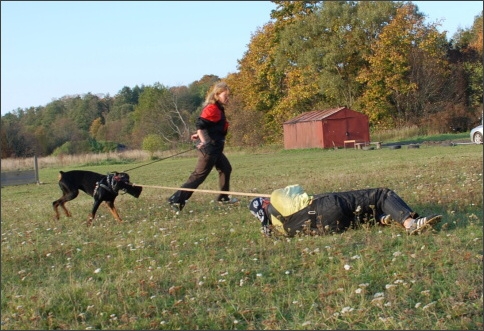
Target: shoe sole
[432,221]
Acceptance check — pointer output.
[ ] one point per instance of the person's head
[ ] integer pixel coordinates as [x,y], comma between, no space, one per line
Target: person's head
[219,93]
[257,208]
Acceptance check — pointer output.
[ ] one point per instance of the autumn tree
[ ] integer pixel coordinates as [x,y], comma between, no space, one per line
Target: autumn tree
[317,57]
[406,70]
[259,85]
[473,66]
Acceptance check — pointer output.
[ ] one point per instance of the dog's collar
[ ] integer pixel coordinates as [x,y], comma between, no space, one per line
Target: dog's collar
[106,183]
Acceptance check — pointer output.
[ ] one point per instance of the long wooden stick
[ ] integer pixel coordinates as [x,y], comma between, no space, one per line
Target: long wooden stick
[207,191]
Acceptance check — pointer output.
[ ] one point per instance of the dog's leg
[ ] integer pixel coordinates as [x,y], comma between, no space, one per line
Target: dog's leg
[93,212]
[56,204]
[112,209]
[68,213]
[68,196]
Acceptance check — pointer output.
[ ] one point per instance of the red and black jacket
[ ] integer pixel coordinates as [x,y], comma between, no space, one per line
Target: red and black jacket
[213,121]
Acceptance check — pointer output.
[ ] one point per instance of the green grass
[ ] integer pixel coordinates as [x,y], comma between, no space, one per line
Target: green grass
[210,268]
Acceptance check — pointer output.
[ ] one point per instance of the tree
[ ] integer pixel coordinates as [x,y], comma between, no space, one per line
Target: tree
[406,71]
[95,127]
[152,143]
[474,66]
[309,58]
[158,113]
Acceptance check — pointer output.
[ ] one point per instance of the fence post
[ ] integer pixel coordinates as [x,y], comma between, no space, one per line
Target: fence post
[36,169]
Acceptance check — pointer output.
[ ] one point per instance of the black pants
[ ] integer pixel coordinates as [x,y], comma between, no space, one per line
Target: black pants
[338,211]
[207,159]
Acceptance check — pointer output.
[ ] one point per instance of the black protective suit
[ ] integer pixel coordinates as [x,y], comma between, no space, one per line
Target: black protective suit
[335,212]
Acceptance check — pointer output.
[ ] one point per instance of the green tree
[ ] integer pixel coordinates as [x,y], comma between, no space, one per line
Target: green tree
[158,113]
[152,143]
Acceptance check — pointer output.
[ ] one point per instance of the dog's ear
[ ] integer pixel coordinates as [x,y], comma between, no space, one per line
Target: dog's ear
[124,175]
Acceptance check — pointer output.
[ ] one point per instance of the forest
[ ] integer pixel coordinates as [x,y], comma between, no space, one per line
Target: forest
[379,58]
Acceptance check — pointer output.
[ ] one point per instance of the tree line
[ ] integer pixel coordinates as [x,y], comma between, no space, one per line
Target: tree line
[376,57]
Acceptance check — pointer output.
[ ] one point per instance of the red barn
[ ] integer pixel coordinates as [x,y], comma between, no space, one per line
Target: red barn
[326,129]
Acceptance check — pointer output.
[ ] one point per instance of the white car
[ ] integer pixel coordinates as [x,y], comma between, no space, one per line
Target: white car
[476,135]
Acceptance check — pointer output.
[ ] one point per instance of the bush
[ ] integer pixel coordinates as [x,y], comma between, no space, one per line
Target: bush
[152,143]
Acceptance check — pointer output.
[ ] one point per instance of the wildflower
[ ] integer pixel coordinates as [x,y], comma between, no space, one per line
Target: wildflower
[347,310]
[429,305]
[358,290]
[377,300]
[98,270]
[347,267]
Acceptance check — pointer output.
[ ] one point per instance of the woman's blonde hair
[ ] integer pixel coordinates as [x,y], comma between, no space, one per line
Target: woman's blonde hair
[217,88]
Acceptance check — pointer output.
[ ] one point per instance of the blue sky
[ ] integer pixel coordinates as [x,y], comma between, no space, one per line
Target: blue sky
[50,49]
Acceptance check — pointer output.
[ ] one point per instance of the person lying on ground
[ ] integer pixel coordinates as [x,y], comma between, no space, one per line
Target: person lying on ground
[290,211]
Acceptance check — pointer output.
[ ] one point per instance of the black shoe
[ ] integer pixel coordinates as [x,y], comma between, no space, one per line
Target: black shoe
[229,201]
[176,206]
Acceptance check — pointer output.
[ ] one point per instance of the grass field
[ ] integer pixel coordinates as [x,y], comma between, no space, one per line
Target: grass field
[210,268]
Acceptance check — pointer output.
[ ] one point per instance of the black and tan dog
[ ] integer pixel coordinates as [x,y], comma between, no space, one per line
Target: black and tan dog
[100,187]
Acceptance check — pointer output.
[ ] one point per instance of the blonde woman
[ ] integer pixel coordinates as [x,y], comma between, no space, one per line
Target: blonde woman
[212,127]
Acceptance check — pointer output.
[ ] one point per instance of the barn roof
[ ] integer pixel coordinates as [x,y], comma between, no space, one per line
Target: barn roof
[315,115]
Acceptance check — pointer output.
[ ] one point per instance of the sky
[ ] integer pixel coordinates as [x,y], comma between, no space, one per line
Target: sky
[52,49]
